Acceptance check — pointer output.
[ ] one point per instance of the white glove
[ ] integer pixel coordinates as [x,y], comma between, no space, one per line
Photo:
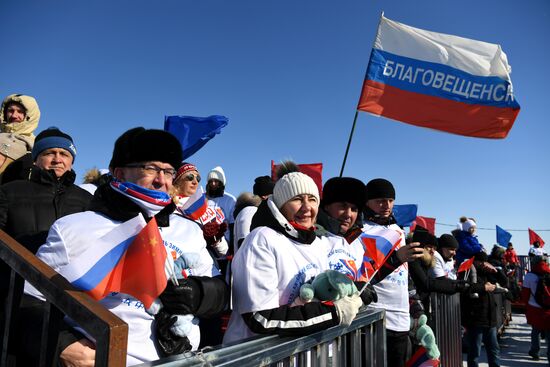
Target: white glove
[347,308]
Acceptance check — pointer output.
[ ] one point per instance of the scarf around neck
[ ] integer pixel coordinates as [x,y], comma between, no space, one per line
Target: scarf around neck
[151,201]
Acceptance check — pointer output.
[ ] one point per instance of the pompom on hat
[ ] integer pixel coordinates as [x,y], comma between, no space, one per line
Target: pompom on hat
[291,185]
[216,173]
[379,188]
[142,145]
[52,137]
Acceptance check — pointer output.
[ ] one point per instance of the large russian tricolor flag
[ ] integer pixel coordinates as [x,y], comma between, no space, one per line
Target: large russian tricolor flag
[130,259]
[439,81]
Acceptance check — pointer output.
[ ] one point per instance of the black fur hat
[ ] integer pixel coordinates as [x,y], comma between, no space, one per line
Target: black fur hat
[379,188]
[141,145]
[263,185]
[347,189]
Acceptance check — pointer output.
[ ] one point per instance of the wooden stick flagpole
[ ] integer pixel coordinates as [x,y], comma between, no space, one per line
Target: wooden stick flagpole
[349,143]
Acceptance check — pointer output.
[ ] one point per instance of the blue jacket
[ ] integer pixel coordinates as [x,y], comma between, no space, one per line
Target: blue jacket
[468,246]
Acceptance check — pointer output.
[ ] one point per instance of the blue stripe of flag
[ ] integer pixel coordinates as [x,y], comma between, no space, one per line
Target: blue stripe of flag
[378,61]
[98,271]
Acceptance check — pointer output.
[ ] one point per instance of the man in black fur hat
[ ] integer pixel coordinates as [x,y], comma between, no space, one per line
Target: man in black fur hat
[343,201]
[143,167]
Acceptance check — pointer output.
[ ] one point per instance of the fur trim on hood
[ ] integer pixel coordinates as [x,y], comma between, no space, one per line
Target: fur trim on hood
[32,117]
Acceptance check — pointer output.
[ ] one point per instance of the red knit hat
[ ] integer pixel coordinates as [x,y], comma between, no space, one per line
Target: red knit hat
[185,168]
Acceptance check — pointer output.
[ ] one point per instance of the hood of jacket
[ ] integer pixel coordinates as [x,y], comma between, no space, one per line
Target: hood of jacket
[32,116]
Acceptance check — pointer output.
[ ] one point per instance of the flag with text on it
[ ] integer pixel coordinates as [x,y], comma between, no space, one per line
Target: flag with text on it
[534,237]
[466,265]
[420,359]
[439,81]
[129,259]
[503,237]
[194,132]
[379,243]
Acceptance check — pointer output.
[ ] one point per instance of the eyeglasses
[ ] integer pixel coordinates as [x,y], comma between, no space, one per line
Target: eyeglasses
[151,170]
[191,177]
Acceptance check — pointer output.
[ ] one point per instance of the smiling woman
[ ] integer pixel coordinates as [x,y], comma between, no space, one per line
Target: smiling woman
[277,257]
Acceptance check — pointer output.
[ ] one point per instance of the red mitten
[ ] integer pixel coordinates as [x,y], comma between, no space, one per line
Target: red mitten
[221,230]
[210,231]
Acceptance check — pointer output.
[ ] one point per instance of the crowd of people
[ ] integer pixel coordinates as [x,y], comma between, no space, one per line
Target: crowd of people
[248,256]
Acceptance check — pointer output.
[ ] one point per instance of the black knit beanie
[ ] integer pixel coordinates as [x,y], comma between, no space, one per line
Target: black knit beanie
[348,189]
[379,188]
[141,145]
[263,185]
[447,241]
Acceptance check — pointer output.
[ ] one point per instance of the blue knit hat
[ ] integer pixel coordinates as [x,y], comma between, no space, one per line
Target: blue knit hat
[52,137]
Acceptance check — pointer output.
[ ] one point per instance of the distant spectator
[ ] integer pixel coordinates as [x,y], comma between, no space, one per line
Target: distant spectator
[536,250]
[468,245]
[479,314]
[219,198]
[94,178]
[444,257]
[537,317]
[510,255]
[19,115]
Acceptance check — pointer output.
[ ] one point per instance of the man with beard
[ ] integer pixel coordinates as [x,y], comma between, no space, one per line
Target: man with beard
[419,269]
[444,257]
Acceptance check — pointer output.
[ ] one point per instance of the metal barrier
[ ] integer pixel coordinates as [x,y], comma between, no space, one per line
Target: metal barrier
[361,344]
[446,324]
[110,332]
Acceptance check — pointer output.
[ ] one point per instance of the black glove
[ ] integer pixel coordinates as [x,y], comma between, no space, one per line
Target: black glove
[182,299]
[369,294]
[167,342]
[462,285]
[200,296]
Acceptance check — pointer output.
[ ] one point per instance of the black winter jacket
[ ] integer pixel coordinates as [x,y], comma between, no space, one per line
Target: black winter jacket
[28,208]
[481,311]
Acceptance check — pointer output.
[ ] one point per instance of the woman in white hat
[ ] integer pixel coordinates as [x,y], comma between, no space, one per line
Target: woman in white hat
[276,258]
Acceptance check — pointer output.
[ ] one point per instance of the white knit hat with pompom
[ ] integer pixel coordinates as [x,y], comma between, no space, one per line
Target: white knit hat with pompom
[292,184]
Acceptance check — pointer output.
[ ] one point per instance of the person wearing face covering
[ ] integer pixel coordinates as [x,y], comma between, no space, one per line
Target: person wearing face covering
[279,255]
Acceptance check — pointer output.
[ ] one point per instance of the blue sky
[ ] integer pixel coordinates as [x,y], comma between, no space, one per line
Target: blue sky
[288,75]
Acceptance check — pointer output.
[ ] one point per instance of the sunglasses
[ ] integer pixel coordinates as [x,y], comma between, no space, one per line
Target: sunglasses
[191,177]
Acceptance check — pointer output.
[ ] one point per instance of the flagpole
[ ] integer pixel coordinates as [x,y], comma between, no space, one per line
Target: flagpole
[349,142]
[357,109]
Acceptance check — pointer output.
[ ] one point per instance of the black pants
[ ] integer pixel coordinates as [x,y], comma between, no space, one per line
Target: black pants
[398,347]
